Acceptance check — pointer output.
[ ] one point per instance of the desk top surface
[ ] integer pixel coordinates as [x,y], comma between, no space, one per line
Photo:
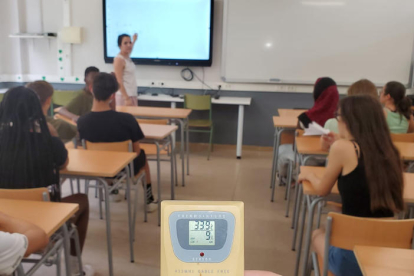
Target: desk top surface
[97,163]
[290,112]
[319,172]
[221,100]
[157,132]
[380,261]
[49,216]
[406,150]
[285,122]
[155,112]
[310,145]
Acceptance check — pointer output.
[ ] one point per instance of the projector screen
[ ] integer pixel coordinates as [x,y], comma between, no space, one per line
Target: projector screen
[170,32]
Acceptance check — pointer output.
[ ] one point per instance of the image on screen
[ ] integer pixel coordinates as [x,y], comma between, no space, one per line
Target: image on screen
[201,232]
[168,30]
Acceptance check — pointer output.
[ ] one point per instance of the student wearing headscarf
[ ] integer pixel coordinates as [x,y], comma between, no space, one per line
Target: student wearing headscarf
[326,97]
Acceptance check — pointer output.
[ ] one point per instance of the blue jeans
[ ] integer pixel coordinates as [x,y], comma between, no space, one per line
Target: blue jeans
[343,262]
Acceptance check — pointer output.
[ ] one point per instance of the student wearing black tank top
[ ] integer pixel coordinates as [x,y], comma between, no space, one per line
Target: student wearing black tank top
[368,169]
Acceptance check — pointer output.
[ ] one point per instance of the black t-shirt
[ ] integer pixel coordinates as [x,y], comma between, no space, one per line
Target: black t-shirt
[109,126]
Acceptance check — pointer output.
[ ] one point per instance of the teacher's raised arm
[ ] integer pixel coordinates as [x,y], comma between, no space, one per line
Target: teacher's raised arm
[124,69]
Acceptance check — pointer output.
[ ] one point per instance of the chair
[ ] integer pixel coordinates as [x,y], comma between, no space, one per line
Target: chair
[405,138]
[54,248]
[200,103]
[62,97]
[347,231]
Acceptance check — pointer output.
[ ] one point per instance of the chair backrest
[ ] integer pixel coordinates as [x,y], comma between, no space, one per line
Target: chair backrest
[197,102]
[62,97]
[152,122]
[348,231]
[125,146]
[406,137]
[35,194]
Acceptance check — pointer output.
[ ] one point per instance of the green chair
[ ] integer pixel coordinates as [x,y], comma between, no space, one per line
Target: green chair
[62,98]
[200,103]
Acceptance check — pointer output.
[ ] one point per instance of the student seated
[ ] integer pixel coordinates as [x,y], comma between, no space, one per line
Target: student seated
[361,87]
[18,239]
[326,96]
[106,125]
[44,90]
[30,157]
[82,104]
[368,169]
[397,108]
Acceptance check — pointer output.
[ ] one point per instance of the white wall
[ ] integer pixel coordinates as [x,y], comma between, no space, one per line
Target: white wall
[34,58]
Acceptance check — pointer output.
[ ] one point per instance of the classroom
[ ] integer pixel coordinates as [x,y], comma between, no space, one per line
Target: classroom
[206,137]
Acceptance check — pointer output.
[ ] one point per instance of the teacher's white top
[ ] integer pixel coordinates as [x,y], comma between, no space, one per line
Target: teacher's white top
[128,77]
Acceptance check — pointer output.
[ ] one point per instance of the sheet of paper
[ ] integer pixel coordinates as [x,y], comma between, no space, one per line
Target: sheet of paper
[315,129]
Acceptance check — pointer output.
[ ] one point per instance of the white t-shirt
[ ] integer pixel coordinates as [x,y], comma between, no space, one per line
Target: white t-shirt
[12,250]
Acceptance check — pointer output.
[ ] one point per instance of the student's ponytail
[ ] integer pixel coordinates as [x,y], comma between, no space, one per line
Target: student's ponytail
[402,103]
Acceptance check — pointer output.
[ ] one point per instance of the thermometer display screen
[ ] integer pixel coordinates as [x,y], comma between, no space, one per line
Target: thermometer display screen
[201,232]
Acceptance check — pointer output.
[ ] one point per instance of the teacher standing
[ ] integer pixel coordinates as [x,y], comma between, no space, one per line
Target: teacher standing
[124,69]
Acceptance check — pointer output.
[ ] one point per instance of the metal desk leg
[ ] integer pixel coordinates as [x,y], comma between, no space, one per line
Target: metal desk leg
[279,133]
[173,105]
[297,213]
[128,194]
[182,126]
[240,132]
[272,178]
[309,233]
[300,236]
[159,182]
[66,248]
[188,145]
[172,168]
[105,188]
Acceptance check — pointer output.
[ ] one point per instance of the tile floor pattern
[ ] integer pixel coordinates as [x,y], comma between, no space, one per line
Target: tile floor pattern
[267,232]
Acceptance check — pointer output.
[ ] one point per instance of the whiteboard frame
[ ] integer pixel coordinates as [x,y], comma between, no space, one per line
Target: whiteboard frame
[409,84]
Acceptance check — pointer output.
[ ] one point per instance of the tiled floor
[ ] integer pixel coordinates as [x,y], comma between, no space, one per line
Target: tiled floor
[267,231]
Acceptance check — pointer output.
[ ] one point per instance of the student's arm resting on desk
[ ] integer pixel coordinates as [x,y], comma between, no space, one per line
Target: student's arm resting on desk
[36,237]
[64,112]
[323,186]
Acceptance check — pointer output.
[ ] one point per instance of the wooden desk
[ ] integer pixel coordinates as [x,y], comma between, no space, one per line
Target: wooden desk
[157,132]
[241,102]
[381,261]
[49,216]
[310,145]
[155,112]
[281,124]
[406,150]
[290,112]
[179,114]
[95,165]
[66,119]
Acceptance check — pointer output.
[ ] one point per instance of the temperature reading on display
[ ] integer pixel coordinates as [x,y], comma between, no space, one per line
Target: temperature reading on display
[201,232]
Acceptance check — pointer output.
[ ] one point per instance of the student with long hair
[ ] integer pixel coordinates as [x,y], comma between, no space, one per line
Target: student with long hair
[30,157]
[397,108]
[361,87]
[326,97]
[368,169]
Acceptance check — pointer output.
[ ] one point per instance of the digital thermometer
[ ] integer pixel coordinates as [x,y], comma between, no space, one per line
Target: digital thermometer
[202,238]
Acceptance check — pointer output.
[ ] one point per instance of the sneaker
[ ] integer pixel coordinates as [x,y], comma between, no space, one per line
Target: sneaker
[115,196]
[152,207]
[87,269]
